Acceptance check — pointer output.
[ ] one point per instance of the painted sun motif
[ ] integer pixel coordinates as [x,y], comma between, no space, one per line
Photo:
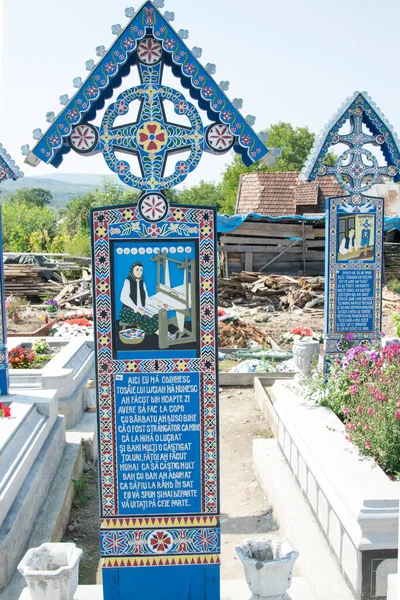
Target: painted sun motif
[149,51]
[219,138]
[160,542]
[83,138]
[151,137]
[153,207]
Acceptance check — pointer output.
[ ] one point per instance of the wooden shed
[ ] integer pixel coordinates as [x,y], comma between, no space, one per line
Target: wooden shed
[279,242]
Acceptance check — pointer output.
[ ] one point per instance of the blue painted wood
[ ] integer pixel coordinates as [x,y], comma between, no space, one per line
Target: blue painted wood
[110,584]
[4,375]
[162,583]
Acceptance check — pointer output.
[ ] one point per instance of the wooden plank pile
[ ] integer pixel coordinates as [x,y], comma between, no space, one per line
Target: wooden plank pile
[36,282]
[280,292]
[238,334]
[278,247]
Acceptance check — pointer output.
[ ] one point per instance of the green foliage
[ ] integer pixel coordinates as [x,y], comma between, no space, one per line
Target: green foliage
[76,218]
[78,245]
[80,486]
[394,285]
[205,193]
[27,227]
[41,346]
[34,196]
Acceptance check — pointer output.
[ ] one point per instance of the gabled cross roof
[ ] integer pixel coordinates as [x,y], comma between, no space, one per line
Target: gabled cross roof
[8,168]
[375,121]
[115,64]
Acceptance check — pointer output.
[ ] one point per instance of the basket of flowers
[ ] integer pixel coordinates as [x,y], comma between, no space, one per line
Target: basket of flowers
[132,336]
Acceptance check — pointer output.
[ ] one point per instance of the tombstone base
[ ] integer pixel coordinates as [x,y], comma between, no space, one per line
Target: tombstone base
[233,589]
[197,582]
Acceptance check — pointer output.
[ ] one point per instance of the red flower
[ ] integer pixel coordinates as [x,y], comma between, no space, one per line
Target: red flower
[6,412]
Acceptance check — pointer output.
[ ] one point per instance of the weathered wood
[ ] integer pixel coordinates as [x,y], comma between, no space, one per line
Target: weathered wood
[248,261]
[270,226]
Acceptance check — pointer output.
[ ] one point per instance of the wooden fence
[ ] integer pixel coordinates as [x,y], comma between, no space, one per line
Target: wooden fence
[295,248]
[270,248]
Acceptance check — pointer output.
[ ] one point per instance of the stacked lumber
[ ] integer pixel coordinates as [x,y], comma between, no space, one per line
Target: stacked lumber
[36,282]
[27,280]
[281,292]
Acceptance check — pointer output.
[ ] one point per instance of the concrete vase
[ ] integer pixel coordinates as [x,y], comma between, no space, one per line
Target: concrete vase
[51,571]
[305,353]
[268,565]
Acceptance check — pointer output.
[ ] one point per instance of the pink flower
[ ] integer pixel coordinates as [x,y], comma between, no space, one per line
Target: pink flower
[368,445]
[367,428]
[359,410]
[371,412]
[346,411]
[350,426]
[398,414]
[353,389]
[347,438]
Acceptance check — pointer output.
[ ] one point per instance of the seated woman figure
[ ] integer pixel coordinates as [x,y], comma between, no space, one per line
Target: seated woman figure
[134,298]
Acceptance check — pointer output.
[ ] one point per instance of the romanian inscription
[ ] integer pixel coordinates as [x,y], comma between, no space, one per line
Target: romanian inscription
[159,443]
[355,301]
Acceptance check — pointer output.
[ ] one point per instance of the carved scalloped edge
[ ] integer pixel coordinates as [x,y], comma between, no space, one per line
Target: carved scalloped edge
[254,149]
[13,171]
[316,151]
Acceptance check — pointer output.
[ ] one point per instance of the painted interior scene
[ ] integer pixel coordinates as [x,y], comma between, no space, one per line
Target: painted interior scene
[356,235]
[155,296]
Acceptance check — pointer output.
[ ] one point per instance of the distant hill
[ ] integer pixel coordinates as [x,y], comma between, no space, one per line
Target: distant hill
[63,187]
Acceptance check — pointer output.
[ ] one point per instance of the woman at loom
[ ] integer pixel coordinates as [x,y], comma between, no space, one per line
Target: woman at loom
[134,298]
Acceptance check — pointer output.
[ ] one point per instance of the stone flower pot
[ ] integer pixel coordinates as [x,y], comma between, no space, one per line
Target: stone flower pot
[268,566]
[305,352]
[51,571]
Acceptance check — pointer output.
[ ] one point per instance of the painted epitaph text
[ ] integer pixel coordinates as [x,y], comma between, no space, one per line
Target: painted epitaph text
[157,387]
[353,271]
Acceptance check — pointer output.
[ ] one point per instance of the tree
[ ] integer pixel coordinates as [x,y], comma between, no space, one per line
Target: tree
[28,227]
[32,196]
[296,144]
[205,193]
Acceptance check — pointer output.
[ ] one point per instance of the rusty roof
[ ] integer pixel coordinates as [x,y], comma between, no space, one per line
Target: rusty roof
[281,192]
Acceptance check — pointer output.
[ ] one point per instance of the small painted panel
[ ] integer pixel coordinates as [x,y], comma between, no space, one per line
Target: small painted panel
[156,340]
[354,270]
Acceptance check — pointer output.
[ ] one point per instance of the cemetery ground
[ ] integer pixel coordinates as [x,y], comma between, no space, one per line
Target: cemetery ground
[244,509]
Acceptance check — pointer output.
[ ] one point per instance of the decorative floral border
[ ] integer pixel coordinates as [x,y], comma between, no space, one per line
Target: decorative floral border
[145,542]
[91,95]
[106,223]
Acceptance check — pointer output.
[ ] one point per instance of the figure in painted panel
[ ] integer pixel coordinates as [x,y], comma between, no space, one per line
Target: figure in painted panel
[135,300]
[348,243]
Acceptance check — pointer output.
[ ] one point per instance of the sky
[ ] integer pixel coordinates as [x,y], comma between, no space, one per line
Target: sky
[289,61]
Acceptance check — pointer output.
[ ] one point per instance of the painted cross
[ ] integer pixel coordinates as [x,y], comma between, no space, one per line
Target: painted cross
[8,170]
[154,279]
[354,225]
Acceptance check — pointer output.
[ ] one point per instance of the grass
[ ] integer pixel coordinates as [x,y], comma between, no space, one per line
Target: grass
[226,365]
[394,285]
